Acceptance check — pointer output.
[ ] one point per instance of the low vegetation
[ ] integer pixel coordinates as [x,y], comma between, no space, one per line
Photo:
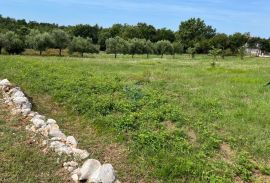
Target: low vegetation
[182,120]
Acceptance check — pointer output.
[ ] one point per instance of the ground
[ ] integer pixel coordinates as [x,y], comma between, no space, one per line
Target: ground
[157,120]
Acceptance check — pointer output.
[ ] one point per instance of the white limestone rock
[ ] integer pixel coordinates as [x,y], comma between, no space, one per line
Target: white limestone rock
[39,123]
[4,83]
[71,141]
[89,168]
[16,93]
[60,148]
[80,154]
[75,178]
[70,166]
[57,133]
[106,174]
[51,121]
[19,101]
[38,116]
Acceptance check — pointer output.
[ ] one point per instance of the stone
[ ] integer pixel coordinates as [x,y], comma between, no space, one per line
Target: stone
[5,82]
[25,112]
[70,163]
[57,133]
[75,178]
[32,114]
[106,174]
[88,168]
[18,101]
[81,154]
[38,116]
[17,93]
[76,171]
[60,148]
[70,166]
[38,122]
[51,121]
[71,141]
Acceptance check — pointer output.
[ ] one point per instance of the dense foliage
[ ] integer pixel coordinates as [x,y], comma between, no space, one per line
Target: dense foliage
[194,36]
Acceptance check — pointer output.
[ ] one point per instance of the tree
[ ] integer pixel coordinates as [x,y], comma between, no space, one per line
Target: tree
[242,52]
[237,41]
[116,45]
[86,31]
[265,45]
[191,51]
[164,34]
[215,52]
[177,48]
[136,46]
[149,48]
[103,35]
[222,42]
[2,42]
[60,40]
[39,41]
[13,44]
[146,31]
[164,47]
[193,31]
[82,45]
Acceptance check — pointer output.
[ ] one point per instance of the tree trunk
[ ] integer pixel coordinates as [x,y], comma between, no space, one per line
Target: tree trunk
[162,55]
[60,52]
[115,55]
[147,55]
[173,56]
[132,55]
[82,54]
[40,53]
[0,50]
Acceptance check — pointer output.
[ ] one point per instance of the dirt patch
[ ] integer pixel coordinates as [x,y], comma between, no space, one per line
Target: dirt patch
[169,125]
[227,150]
[192,136]
[260,178]
[238,180]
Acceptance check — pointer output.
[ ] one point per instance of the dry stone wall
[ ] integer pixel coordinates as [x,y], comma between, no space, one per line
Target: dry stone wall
[90,171]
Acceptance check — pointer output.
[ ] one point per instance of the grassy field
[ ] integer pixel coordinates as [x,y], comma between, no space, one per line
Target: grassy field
[158,120]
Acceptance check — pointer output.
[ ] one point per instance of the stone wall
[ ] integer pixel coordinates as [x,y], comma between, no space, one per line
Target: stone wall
[90,171]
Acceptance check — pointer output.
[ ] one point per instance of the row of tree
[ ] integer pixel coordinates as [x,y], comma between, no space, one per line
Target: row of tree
[193,35]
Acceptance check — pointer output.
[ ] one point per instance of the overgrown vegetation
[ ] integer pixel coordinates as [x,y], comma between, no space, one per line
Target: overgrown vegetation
[174,115]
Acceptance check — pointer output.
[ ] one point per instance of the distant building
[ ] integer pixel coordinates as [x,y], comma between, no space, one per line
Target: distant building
[256,51]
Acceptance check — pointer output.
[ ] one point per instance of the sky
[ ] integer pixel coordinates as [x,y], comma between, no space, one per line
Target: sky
[228,16]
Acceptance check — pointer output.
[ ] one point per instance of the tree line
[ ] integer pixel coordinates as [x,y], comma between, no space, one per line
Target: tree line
[193,36]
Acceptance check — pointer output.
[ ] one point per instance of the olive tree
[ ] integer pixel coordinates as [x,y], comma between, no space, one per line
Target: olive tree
[191,51]
[136,46]
[2,42]
[149,48]
[13,44]
[242,52]
[60,40]
[39,41]
[116,46]
[164,47]
[82,45]
[178,48]
[215,52]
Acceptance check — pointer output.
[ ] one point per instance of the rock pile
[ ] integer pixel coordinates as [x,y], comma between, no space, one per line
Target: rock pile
[91,171]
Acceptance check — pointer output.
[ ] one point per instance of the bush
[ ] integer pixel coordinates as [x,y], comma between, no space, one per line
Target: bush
[13,44]
[81,45]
